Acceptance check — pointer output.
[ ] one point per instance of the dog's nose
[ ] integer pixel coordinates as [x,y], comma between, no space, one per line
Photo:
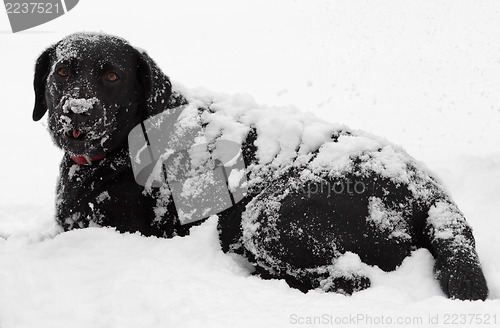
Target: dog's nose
[75,92]
[81,91]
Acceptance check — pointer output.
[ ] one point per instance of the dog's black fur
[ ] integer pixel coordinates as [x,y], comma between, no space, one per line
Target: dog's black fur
[83,66]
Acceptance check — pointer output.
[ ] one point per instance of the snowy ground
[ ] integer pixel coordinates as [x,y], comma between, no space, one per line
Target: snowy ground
[423,74]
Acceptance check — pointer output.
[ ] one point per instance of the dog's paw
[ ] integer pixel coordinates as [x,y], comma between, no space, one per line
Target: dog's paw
[345,284]
[462,279]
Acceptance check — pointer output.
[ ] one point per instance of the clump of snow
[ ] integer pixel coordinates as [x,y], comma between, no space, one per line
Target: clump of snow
[72,170]
[348,264]
[447,222]
[79,106]
[235,178]
[65,124]
[389,220]
[336,157]
[103,197]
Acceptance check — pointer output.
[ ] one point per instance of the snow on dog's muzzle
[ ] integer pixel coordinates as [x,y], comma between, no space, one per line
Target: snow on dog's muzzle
[80,105]
[170,149]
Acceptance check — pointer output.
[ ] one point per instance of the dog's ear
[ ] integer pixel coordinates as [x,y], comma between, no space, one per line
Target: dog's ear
[155,85]
[41,72]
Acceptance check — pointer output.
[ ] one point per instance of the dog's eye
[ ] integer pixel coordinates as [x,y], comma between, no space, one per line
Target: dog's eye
[63,71]
[111,76]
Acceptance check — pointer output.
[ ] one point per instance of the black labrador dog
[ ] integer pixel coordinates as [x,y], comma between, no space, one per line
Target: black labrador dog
[97,88]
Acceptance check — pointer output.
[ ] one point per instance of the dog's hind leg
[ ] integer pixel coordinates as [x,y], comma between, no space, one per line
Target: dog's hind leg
[290,236]
[457,267]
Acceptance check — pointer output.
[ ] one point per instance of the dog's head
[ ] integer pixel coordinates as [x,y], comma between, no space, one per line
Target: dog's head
[96,88]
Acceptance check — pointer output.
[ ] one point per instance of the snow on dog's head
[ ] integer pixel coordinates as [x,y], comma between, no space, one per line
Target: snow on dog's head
[96,88]
[79,106]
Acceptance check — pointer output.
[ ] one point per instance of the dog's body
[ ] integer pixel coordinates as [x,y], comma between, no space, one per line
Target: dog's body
[97,88]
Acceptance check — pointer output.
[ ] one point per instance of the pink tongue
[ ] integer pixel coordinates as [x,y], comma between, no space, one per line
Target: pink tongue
[76,133]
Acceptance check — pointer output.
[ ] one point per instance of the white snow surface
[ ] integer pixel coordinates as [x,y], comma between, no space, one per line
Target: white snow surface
[423,74]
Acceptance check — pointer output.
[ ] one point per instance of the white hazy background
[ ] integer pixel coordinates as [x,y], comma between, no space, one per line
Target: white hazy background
[423,74]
